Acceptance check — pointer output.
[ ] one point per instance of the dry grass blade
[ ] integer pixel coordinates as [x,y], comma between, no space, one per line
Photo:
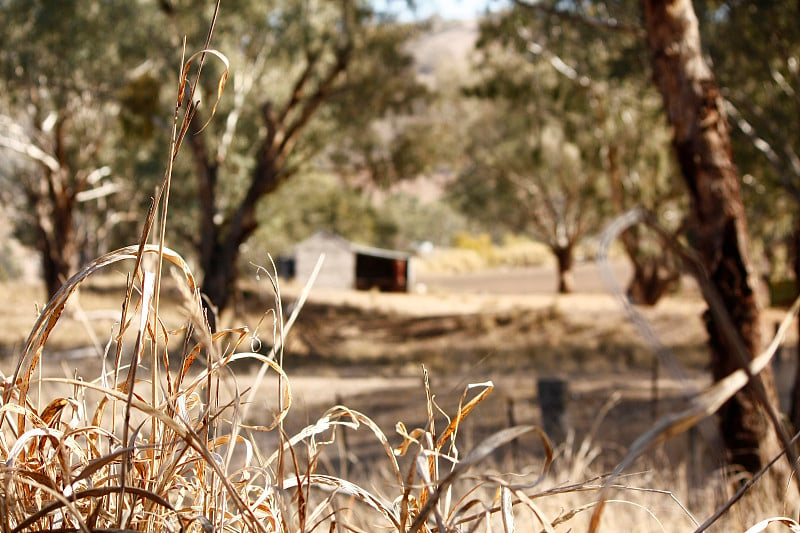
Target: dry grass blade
[702,406]
[51,313]
[100,463]
[530,504]
[222,79]
[95,493]
[483,449]
[269,360]
[31,434]
[148,287]
[358,418]
[506,510]
[346,487]
[643,508]
[549,457]
[462,412]
[791,524]
[286,389]
[336,417]
[53,409]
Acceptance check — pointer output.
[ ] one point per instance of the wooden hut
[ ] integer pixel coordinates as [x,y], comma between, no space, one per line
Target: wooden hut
[352,266]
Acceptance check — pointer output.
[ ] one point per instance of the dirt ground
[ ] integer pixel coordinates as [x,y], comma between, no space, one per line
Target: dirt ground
[367,350]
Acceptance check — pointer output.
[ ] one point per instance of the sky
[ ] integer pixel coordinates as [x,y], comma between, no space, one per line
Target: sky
[451,9]
[447,9]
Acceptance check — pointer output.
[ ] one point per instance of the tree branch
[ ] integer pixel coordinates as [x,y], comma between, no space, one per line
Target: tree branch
[611,24]
[17,141]
[312,58]
[559,64]
[311,105]
[789,171]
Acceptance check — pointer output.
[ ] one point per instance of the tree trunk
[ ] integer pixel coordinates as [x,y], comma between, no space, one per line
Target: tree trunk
[220,248]
[58,259]
[795,408]
[654,274]
[55,226]
[220,243]
[219,281]
[565,260]
[651,279]
[702,144]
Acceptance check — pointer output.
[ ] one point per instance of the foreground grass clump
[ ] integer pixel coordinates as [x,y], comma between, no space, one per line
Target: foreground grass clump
[150,444]
[156,442]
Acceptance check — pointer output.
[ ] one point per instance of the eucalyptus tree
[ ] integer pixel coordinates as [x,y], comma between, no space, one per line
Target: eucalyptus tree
[62,66]
[703,152]
[306,77]
[525,175]
[85,98]
[527,167]
[755,47]
[589,87]
[702,145]
[643,174]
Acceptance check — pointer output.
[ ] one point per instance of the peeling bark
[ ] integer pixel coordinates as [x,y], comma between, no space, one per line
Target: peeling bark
[702,145]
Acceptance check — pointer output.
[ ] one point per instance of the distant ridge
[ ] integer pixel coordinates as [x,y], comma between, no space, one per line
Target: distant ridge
[443,51]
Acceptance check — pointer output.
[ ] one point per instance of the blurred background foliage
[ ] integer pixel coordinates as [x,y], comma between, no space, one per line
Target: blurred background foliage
[538,120]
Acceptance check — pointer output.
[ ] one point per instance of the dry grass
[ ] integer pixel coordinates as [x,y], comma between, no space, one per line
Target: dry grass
[470,253]
[156,442]
[127,451]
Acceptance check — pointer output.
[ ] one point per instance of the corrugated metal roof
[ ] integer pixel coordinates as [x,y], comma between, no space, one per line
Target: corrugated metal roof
[378,252]
[355,247]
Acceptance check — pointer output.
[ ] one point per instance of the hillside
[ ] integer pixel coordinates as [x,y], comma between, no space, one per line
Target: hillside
[443,51]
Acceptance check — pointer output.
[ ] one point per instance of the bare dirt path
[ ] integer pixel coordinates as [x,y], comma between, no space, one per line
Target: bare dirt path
[540,279]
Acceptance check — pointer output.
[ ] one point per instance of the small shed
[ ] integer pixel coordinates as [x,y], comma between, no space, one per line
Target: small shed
[352,266]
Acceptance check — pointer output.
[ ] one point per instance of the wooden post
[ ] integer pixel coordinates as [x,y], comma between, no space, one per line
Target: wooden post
[553,404]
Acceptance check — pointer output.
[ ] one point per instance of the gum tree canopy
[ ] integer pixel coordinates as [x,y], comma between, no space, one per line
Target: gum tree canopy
[306,77]
[89,106]
[60,83]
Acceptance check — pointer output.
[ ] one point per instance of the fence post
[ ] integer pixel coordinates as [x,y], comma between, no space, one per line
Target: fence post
[553,405]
